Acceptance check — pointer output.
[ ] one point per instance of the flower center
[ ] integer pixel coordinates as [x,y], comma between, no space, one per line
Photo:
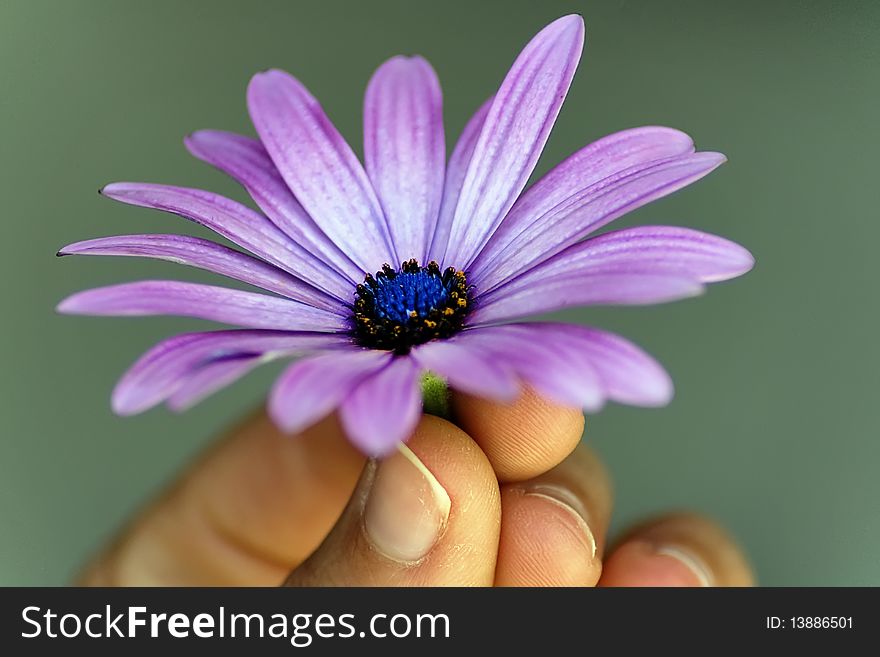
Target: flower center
[397,310]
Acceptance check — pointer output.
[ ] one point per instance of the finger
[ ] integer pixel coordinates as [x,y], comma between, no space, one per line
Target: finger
[681,549]
[553,526]
[427,516]
[522,439]
[253,507]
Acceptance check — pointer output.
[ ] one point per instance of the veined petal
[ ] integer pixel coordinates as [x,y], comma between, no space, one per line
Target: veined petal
[593,163]
[513,135]
[237,223]
[456,169]
[212,377]
[628,374]
[245,160]
[312,388]
[468,368]
[567,290]
[623,372]
[553,368]
[320,168]
[207,255]
[405,151]
[642,249]
[163,369]
[218,304]
[592,208]
[384,409]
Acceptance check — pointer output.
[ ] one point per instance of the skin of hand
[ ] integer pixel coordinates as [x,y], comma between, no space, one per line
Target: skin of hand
[507,497]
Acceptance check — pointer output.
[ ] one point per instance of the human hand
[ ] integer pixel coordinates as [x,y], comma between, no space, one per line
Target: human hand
[508,499]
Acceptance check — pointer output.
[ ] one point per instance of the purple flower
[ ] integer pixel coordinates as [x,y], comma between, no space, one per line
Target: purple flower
[457,250]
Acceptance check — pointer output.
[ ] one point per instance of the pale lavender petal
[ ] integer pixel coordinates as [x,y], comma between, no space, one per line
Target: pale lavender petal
[643,249]
[247,161]
[573,289]
[161,371]
[591,164]
[312,388]
[628,374]
[513,136]
[591,209]
[237,223]
[384,409]
[456,169]
[553,368]
[468,368]
[218,304]
[320,168]
[207,255]
[405,151]
[212,377]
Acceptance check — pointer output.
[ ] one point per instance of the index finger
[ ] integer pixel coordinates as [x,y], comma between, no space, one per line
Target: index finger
[523,439]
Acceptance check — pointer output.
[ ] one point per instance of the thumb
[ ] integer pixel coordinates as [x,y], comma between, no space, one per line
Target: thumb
[429,515]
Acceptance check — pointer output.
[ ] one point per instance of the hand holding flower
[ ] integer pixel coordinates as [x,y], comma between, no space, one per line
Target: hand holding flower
[509,499]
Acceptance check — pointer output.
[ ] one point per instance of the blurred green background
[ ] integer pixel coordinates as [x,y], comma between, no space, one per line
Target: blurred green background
[775,426]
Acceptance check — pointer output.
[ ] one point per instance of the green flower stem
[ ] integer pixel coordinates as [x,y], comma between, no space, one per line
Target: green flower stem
[435,396]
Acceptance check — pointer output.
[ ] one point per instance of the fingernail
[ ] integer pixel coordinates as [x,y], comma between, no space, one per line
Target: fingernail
[567,501]
[690,561]
[406,508]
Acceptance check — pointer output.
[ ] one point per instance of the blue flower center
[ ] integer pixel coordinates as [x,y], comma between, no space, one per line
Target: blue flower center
[409,294]
[396,310]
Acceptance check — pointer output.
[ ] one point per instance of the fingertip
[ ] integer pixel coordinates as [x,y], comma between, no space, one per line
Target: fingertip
[553,529]
[456,460]
[427,515]
[678,549]
[643,564]
[465,490]
[522,439]
[545,541]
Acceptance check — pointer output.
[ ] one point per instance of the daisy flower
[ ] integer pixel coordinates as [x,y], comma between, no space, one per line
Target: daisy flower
[375,274]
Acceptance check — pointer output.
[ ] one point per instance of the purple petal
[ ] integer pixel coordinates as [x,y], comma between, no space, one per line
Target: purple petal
[591,164]
[513,136]
[312,388]
[591,209]
[530,296]
[643,249]
[455,174]
[625,373]
[247,161]
[237,223]
[207,255]
[383,410]
[212,377]
[628,374]
[552,367]
[163,369]
[405,151]
[320,168]
[218,304]
[468,368]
